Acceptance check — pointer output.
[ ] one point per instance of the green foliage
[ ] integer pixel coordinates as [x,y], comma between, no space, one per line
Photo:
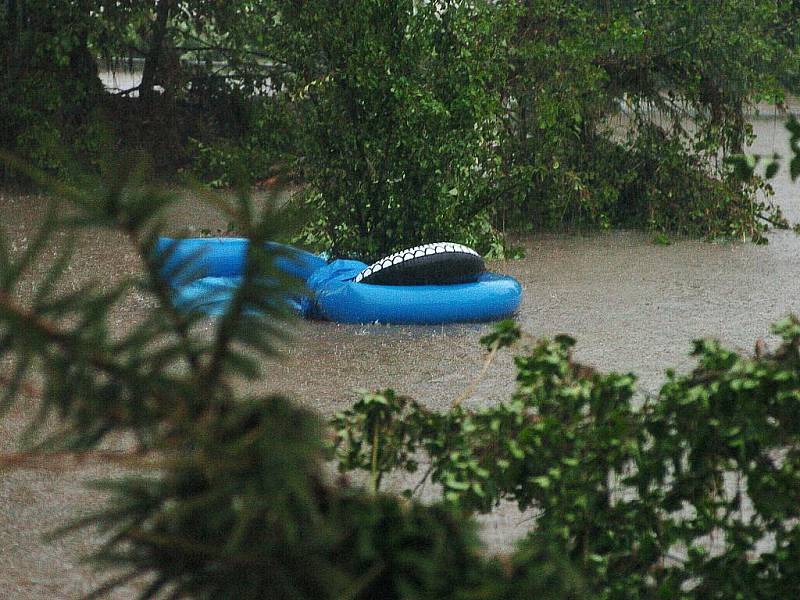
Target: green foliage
[231,499]
[504,335]
[693,494]
[218,164]
[719,207]
[235,518]
[744,166]
[661,239]
[414,121]
[370,436]
[99,384]
[619,111]
[49,90]
[398,112]
[538,570]
[395,550]
[246,139]
[245,515]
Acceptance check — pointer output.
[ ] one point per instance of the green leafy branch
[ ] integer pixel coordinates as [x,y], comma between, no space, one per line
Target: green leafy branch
[624,485]
[744,166]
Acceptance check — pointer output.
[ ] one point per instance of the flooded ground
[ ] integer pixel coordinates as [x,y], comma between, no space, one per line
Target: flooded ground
[632,305]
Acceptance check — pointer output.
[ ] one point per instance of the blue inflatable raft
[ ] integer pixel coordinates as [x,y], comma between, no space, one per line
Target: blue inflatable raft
[203,274]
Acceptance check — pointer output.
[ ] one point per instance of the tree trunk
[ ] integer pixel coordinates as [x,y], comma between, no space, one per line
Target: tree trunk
[153,58]
[12,31]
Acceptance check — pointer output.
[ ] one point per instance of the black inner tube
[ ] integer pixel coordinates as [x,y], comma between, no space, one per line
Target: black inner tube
[440,263]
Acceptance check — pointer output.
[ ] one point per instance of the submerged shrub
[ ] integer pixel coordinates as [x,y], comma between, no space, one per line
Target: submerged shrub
[619,113]
[399,110]
[693,494]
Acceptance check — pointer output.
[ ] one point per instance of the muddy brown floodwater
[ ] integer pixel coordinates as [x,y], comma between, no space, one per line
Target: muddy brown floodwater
[632,305]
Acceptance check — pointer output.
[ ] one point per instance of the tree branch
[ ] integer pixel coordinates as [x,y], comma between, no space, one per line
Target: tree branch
[27,388]
[73,346]
[66,461]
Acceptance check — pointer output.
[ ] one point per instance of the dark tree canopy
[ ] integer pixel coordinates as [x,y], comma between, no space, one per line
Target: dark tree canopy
[410,120]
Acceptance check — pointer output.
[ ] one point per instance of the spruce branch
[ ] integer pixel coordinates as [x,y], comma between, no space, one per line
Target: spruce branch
[181,323]
[64,461]
[16,384]
[68,353]
[114,583]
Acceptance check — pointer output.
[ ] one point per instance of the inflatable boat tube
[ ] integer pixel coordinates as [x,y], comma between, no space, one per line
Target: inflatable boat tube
[440,263]
[204,273]
[339,298]
[187,260]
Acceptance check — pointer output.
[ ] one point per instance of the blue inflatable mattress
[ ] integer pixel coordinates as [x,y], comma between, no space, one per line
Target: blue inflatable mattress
[431,284]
